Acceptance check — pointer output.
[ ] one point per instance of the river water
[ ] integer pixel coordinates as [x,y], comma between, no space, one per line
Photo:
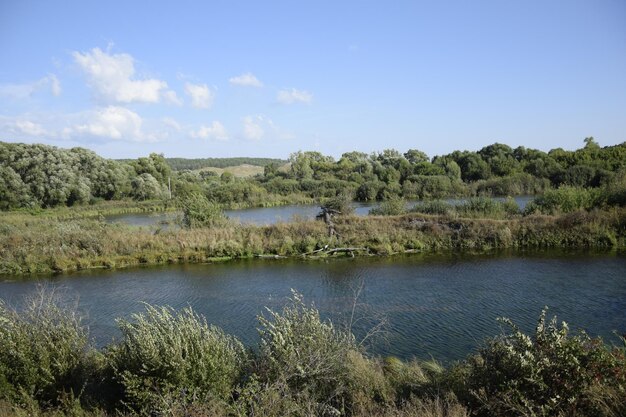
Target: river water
[270,215]
[442,306]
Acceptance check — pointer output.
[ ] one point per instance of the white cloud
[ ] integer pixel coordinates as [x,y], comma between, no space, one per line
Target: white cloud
[215,131]
[112,122]
[294,96]
[246,80]
[169,122]
[55,84]
[111,76]
[172,97]
[252,128]
[26,90]
[257,127]
[29,128]
[201,95]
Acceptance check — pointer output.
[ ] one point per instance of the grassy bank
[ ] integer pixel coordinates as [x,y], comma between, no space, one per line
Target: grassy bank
[173,363]
[44,244]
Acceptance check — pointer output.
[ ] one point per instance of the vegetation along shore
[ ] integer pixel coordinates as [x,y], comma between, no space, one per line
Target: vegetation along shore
[54,200]
[173,363]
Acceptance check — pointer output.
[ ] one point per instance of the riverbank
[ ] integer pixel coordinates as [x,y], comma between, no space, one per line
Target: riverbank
[54,244]
[174,363]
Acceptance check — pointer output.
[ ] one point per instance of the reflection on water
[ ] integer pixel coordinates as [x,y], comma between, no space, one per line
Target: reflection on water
[270,215]
[436,305]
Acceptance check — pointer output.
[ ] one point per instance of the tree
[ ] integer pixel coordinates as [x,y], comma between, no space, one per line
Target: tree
[145,187]
[415,156]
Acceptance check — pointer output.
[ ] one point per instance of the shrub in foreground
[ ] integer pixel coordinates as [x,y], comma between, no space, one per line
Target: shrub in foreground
[169,358]
[305,354]
[43,351]
[547,374]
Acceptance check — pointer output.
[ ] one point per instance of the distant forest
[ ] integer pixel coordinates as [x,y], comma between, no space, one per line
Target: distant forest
[44,176]
[178,164]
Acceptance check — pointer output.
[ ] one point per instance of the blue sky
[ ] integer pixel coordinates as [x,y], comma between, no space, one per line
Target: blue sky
[234,78]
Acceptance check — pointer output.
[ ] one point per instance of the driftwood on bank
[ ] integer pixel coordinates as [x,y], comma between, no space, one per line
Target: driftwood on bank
[349,250]
[328,251]
[270,256]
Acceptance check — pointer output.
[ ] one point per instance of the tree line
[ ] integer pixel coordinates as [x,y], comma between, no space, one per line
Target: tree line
[178,164]
[46,176]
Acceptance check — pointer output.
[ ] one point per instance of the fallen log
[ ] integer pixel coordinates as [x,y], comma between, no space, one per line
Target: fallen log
[270,256]
[336,250]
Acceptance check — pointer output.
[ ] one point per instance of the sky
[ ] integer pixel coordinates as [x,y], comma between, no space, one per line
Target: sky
[268,78]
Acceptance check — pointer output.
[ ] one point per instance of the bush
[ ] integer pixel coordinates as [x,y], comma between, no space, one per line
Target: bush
[548,373]
[562,200]
[484,207]
[307,354]
[516,184]
[433,207]
[341,203]
[43,350]
[392,207]
[427,186]
[170,358]
[198,211]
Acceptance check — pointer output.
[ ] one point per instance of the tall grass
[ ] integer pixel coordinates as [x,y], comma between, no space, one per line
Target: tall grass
[32,244]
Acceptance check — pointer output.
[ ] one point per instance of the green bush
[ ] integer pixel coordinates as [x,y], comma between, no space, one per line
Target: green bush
[43,351]
[168,357]
[392,207]
[342,203]
[198,211]
[307,354]
[481,207]
[562,200]
[433,207]
[546,374]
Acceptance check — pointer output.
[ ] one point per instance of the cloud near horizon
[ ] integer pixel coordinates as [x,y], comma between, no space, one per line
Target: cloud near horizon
[215,131]
[112,122]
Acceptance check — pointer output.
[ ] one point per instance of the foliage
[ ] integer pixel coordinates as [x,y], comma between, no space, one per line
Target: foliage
[173,363]
[70,240]
[392,207]
[167,357]
[44,176]
[198,211]
[146,187]
[487,207]
[436,207]
[42,350]
[179,164]
[306,353]
[341,203]
[565,199]
[549,373]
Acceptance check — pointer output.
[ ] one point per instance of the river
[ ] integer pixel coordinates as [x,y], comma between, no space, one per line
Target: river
[442,306]
[270,215]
